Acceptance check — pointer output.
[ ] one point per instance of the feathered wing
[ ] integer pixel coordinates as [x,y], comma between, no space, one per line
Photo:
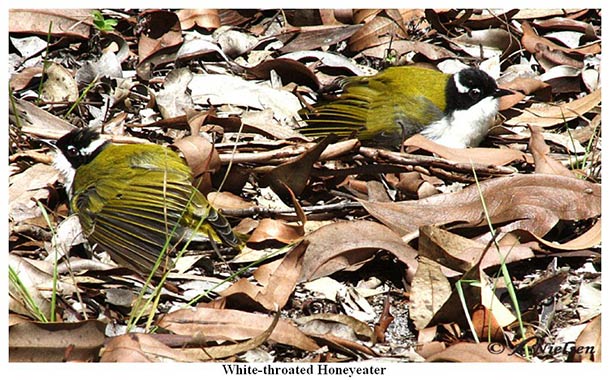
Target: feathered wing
[148,211]
[384,108]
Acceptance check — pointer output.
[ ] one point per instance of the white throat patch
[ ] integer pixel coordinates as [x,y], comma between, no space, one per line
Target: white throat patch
[464,128]
[64,166]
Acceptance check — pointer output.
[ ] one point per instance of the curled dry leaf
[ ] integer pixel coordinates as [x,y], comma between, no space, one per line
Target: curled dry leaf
[460,254]
[315,37]
[227,324]
[59,22]
[476,352]
[28,187]
[199,153]
[485,325]
[591,238]
[164,36]
[228,201]
[325,323]
[543,162]
[141,348]
[56,342]
[476,290]
[483,156]
[591,336]
[533,202]
[276,229]
[548,115]
[402,47]
[344,245]
[533,43]
[292,177]
[204,18]
[429,291]
[276,282]
[173,99]
[380,29]
[289,70]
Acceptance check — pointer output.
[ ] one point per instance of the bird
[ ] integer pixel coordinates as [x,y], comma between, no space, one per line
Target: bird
[136,200]
[455,110]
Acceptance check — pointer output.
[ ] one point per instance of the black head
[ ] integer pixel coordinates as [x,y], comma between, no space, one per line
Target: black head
[81,146]
[467,87]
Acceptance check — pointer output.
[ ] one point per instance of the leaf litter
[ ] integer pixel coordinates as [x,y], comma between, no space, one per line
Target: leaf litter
[418,224]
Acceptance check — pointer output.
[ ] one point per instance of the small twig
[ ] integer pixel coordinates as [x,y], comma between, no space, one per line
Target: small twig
[266,211]
[429,161]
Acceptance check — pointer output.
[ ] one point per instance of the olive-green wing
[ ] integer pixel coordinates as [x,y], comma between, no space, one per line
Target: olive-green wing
[151,210]
[385,107]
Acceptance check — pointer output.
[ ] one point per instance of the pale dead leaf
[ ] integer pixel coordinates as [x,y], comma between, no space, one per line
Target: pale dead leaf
[344,245]
[543,162]
[485,156]
[548,115]
[49,342]
[60,85]
[226,324]
[533,202]
[429,291]
[276,283]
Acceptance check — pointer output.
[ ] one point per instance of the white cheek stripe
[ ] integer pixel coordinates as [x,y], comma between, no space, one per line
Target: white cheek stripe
[460,87]
[93,146]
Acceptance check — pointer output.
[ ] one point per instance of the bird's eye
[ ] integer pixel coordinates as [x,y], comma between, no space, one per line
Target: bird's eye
[72,151]
[474,93]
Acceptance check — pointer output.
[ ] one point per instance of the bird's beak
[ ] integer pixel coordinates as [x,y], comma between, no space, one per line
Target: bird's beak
[500,92]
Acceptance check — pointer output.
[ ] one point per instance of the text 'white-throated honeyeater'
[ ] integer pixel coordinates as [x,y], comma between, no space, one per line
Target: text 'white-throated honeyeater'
[132,199]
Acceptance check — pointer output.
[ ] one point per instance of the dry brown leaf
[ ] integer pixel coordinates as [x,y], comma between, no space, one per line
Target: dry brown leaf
[204,18]
[59,22]
[22,79]
[28,187]
[226,324]
[276,229]
[141,348]
[55,342]
[345,245]
[533,202]
[484,156]
[429,291]
[460,254]
[361,329]
[402,47]
[591,238]
[308,38]
[228,201]
[476,353]
[288,69]
[291,178]
[276,285]
[483,321]
[544,164]
[548,115]
[380,29]
[533,43]
[477,290]
[527,86]
[591,336]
